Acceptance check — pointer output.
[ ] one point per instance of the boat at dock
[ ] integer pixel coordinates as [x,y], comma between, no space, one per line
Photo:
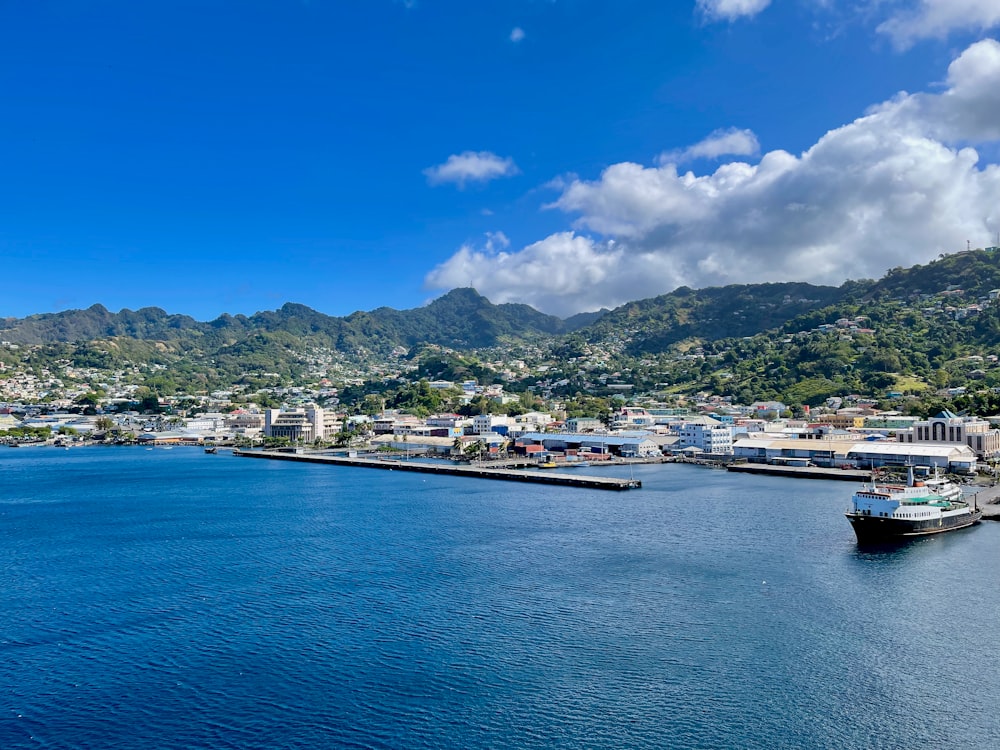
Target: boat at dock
[890,512]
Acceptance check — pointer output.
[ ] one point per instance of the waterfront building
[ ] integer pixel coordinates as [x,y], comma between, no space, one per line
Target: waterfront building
[486,423]
[948,427]
[415,443]
[305,425]
[627,444]
[250,423]
[716,439]
[859,454]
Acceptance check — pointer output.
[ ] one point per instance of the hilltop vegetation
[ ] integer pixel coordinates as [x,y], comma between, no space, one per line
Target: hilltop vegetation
[914,332]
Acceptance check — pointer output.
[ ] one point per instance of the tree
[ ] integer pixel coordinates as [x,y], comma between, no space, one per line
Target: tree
[88,399]
[150,404]
[475,449]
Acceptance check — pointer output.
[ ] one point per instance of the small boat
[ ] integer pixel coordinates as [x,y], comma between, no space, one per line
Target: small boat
[211,449]
[892,512]
[548,465]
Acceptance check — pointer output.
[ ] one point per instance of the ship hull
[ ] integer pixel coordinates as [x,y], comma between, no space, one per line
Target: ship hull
[875,529]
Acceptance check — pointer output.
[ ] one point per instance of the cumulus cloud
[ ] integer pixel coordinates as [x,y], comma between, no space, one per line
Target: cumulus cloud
[471,166]
[938,18]
[554,274]
[728,142]
[517,34]
[896,186]
[730,10]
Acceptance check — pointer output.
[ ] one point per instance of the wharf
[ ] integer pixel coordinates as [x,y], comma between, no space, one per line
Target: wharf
[803,472]
[987,499]
[537,476]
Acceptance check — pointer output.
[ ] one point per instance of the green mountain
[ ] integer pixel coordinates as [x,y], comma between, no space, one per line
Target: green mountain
[654,325]
[461,319]
[915,330]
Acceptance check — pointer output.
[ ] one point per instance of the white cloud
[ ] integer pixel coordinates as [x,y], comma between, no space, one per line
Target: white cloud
[897,186]
[938,18]
[967,111]
[729,142]
[517,34]
[496,241]
[730,10]
[471,166]
[556,274]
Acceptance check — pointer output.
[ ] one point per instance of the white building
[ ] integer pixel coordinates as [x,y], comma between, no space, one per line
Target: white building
[245,422]
[631,418]
[862,455]
[716,439]
[306,425]
[584,424]
[485,423]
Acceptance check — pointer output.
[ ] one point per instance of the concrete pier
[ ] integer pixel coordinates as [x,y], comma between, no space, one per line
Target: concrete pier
[537,476]
[803,472]
[987,499]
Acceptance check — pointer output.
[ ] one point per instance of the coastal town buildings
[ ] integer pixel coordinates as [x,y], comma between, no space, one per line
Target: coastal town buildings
[838,453]
[948,427]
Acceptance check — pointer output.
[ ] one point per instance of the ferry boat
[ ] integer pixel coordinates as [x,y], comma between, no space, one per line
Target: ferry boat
[892,512]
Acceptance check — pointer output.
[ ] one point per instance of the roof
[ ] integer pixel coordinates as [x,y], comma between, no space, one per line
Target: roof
[414,441]
[912,449]
[586,438]
[835,447]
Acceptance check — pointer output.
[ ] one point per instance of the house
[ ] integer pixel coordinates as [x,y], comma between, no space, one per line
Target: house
[768,409]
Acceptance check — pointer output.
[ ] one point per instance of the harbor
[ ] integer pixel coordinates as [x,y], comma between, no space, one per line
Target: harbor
[535,476]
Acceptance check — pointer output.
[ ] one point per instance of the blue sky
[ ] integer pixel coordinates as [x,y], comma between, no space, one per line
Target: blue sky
[210,157]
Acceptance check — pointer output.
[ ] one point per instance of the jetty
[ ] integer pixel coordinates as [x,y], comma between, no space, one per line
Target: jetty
[536,476]
[803,472]
[987,499]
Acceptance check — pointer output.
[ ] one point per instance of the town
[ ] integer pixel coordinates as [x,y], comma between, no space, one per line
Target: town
[712,430]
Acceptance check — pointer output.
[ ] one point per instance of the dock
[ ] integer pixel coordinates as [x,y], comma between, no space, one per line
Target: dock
[803,472]
[987,499]
[536,476]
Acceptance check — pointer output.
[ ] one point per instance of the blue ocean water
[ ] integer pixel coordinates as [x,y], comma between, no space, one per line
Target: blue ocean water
[173,599]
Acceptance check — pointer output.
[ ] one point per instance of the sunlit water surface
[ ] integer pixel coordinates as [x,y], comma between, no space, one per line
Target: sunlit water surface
[174,599]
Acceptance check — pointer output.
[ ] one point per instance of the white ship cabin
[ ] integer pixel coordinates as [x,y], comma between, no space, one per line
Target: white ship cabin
[874,502]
